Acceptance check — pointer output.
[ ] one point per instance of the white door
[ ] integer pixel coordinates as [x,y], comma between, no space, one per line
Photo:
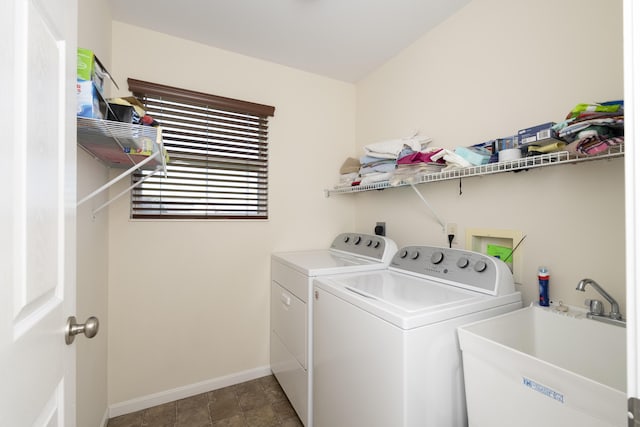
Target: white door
[37,211]
[632,200]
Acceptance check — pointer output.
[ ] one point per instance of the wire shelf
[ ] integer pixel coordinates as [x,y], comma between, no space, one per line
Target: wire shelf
[525,163]
[115,144]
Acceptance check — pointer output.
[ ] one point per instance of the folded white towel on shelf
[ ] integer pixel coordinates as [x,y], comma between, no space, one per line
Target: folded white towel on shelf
[348,177]
[453,160]
[372,178]
[391,149]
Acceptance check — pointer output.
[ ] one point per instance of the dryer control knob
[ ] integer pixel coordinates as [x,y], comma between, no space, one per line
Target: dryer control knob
[480,266]
[403,253]
[358,240]
[369,242]
[415,255]
[376,245]
[437,257]
[463,263]
[346,239]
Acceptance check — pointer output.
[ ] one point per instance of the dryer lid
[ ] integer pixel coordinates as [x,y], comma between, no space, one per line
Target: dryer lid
[349,252]
[320,262]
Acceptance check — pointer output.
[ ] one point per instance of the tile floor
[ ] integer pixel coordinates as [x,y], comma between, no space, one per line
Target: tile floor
[257,403]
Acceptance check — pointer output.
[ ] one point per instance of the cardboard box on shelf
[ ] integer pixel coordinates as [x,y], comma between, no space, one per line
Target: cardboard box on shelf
[126,109]
[90,102]
[535,134]
[122,113]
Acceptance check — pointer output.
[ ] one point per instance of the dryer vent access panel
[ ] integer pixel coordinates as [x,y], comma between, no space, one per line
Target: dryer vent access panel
[499,244]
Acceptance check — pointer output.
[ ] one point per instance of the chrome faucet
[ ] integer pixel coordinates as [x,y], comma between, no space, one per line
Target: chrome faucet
[615,308]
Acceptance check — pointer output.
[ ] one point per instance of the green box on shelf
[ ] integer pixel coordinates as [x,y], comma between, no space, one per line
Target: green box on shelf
[89,68]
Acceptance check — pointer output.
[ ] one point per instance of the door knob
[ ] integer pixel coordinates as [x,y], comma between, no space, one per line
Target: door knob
[89,328]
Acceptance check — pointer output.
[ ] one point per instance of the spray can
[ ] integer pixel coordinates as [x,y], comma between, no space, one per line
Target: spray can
[543,285]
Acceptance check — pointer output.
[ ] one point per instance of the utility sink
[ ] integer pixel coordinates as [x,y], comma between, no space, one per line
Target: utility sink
[541,367]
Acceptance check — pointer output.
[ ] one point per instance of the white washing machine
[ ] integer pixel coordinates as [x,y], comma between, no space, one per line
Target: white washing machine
[292,273]
[385,343]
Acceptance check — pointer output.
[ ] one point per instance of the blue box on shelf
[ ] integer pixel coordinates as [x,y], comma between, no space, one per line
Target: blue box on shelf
[475,155]
[537,133]
[90,102]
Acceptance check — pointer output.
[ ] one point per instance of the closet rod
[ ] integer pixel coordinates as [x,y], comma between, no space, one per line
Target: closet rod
[131,187]
[119,177]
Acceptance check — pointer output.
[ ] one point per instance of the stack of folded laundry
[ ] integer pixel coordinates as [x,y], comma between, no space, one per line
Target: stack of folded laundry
[381,159]
[590,129]
[411,166]
[349,172]
[375,169]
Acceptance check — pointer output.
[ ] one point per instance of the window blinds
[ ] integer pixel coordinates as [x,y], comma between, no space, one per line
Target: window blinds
[218,150]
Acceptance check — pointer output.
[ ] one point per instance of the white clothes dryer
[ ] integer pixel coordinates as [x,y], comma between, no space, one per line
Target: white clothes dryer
[292,274]
[385,343]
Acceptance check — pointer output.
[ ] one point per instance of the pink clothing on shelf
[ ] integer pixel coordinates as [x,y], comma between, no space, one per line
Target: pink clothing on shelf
[419,157]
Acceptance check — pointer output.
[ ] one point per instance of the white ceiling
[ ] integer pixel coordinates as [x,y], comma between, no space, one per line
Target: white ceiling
[341,39]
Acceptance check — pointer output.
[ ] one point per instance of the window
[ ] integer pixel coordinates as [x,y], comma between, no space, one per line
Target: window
[218,156]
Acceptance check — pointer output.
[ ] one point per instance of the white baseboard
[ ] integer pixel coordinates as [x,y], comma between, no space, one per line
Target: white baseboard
[155,399]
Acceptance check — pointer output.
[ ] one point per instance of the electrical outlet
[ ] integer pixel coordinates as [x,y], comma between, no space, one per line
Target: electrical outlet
[452,228]
[380,229]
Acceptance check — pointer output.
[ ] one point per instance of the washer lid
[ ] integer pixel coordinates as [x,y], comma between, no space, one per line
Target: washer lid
[408,301]
[320,262]
[408,294]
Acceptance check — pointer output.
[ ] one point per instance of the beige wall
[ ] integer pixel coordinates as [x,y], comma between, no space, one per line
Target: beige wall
[92,261]
[189,301]
[493,68]
[94,32]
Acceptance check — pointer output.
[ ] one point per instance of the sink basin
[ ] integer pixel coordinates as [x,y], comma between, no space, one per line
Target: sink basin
[539,367]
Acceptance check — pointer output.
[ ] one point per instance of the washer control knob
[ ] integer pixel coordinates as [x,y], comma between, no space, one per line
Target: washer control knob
[376,244]
[463,263]
[403,253]
[437,257]
[358,240]
[480,266]
[346,239]
[415,255]
[369,242]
